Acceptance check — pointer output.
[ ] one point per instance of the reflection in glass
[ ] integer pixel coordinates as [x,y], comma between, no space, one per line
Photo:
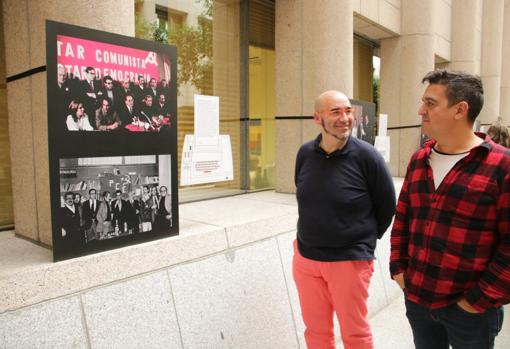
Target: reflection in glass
[208,35]
[262,123]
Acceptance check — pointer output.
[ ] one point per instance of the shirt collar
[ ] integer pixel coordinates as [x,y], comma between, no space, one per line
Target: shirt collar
[345,150]
[486,145]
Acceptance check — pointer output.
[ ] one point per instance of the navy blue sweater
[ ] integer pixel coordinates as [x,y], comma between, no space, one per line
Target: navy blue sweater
[346,201]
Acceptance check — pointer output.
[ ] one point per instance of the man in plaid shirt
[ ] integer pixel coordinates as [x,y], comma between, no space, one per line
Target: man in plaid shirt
[450,243]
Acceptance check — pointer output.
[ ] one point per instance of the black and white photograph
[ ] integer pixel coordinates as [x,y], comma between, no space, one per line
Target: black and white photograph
[112,134]
[106,198]
[364,120]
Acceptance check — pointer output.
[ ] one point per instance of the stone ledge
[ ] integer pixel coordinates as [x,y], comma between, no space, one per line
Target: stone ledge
[51,280]
[206,228]
[243,234]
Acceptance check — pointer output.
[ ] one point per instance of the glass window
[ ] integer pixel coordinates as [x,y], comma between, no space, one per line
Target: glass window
[215,43]
[162,18]
[6,205]
[261,135]
[261,95]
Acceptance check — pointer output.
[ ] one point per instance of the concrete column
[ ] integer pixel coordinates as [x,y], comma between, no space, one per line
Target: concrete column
[404,62]
[24,31]
[226,76]
[327,35]
[314,53]
[492,38]
[466,36]
[504,111]
[6,209]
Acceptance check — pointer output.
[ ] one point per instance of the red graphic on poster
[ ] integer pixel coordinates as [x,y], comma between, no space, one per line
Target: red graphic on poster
[119,62]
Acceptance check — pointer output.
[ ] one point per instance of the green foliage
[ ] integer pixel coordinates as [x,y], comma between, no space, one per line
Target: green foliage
[376,94]
[159,34]
[376,101]
[208,7]
[194,46]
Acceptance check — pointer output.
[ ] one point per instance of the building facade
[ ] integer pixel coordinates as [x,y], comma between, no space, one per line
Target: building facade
[267,61]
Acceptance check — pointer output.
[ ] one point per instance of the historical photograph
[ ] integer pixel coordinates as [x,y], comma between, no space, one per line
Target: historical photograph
[110,197]
[364,120]
[105,87]
[114,183]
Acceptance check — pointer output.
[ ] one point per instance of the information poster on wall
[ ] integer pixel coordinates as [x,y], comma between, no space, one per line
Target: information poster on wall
[112,139]
[206,155]
[382,140]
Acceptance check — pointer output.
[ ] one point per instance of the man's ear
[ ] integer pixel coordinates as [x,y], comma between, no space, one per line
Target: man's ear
[317,118]
[462,110]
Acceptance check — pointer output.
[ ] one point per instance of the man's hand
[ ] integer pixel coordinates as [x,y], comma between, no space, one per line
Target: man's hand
[399,279]
[464,305]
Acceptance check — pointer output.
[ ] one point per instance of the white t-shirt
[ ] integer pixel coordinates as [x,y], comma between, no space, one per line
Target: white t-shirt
[82,124]
[442,163]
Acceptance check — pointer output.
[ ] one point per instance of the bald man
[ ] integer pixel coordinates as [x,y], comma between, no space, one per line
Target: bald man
[346,200]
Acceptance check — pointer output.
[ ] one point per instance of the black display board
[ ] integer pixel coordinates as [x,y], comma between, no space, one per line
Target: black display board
[365,120]
[112,139]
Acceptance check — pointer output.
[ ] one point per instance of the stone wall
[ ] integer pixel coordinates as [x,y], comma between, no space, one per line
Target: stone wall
[224,282]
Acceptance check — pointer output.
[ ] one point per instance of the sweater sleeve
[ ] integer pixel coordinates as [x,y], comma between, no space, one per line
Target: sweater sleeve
[491,290]
[383,195]
[400,231]
[299,161]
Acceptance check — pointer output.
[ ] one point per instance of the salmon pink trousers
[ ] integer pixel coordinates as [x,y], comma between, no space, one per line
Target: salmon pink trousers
[326,288]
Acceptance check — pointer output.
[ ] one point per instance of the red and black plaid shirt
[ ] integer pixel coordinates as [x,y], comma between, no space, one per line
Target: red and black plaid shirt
[454,242]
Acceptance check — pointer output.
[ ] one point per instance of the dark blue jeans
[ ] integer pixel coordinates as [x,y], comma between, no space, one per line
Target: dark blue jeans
[451,325]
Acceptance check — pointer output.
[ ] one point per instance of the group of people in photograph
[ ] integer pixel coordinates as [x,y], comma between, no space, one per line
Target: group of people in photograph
[105,104]
[363,125]
[113,215]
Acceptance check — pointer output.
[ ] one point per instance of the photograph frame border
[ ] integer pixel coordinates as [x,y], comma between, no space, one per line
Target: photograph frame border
[63,145]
